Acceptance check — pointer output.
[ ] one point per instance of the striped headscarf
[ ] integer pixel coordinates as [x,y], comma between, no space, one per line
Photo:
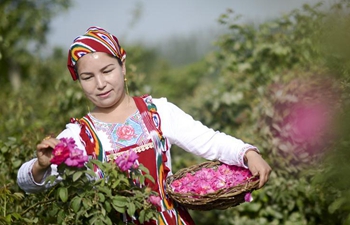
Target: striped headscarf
[95,39]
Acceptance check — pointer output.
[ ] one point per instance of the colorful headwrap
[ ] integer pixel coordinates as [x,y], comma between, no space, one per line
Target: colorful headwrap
[95,39]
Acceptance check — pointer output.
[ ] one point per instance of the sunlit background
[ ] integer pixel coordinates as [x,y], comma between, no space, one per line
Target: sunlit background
[162,24]
[151,22]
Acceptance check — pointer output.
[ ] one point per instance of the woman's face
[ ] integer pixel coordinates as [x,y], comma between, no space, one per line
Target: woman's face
[102,79]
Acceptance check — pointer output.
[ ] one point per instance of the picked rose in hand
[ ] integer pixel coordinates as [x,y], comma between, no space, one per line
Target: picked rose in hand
[67,152]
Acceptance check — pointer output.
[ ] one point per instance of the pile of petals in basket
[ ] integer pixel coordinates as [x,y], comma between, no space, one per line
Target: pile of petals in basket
[209,180]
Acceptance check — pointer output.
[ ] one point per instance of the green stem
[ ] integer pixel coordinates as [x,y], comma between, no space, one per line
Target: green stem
[5,206]
[35,205]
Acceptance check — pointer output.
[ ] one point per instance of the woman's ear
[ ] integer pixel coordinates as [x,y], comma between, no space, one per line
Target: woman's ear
[124,67]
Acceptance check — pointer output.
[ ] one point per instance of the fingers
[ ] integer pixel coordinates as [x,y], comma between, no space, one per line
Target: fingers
[44,153]
[47,143]
[263,179]
[264,176]
[258,166]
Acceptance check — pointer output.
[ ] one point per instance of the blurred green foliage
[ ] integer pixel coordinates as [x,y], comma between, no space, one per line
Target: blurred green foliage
[247,88]
[23,29]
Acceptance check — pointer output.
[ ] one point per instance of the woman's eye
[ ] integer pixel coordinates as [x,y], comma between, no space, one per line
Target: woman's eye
[107,71]
[86,78]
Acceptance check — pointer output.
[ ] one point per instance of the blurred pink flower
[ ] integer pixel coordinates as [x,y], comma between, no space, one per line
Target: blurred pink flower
[76,158]
[127,160]
[154,200]
[248,197]
[309,121]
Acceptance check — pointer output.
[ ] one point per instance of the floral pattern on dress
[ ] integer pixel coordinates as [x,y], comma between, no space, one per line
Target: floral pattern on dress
[132,131]
[127,133]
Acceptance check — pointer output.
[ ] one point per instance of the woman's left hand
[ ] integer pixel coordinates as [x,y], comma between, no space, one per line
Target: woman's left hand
[257,165]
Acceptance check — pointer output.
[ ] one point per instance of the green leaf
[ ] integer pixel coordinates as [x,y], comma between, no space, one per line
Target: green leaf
[103,211]
[123,179]
[75,204]
[118,208]
[142,215]
[101,197]
[4,149]
[86,203]
[142,179]
[149,215]
[60,217]
[149,177]
[91,173]
[119,203]
[93,220]
[77,175]
[108,206]
[78,215]
[17,163]
[108,221]
[63,193]
[115,184]
[131,209]
[53,212]
[120,198]
[97,163]
[69,172]
[105,190]
[50,179]
[337,204]
[144,169]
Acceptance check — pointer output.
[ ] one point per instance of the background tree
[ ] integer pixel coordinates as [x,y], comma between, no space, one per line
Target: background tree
[23,29]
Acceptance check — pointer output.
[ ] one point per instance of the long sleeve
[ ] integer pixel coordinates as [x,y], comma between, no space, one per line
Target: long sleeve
[26,181]
[191,135]
[25,178]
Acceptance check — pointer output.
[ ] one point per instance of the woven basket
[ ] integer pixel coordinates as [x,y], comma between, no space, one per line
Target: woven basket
[221,199]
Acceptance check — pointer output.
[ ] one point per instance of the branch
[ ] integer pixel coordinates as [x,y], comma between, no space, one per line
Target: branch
[36,204]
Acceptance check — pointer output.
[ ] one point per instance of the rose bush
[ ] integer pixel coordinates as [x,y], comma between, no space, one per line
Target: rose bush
[81,196]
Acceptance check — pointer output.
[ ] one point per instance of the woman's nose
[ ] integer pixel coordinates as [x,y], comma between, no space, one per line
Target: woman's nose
[101,81]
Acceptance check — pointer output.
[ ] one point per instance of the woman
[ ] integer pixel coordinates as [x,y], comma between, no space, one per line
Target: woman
[120,123]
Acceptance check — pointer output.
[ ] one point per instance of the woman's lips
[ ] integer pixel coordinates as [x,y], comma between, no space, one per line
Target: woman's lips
[104,95]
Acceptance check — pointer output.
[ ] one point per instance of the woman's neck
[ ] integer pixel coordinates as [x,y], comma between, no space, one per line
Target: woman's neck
[118,113]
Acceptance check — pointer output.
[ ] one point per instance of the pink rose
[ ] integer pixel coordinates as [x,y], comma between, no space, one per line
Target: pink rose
[61,151]
[67,152]
[76,158]
[176,184]
[126,132]
[127,160]
[154,200]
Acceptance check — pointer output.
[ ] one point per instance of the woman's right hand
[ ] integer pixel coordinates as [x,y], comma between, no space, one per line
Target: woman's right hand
[44,155]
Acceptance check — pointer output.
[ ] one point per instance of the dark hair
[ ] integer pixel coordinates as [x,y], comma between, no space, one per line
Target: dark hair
[119,62]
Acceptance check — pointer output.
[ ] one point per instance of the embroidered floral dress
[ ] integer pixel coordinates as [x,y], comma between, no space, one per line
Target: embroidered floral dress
[135,135]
